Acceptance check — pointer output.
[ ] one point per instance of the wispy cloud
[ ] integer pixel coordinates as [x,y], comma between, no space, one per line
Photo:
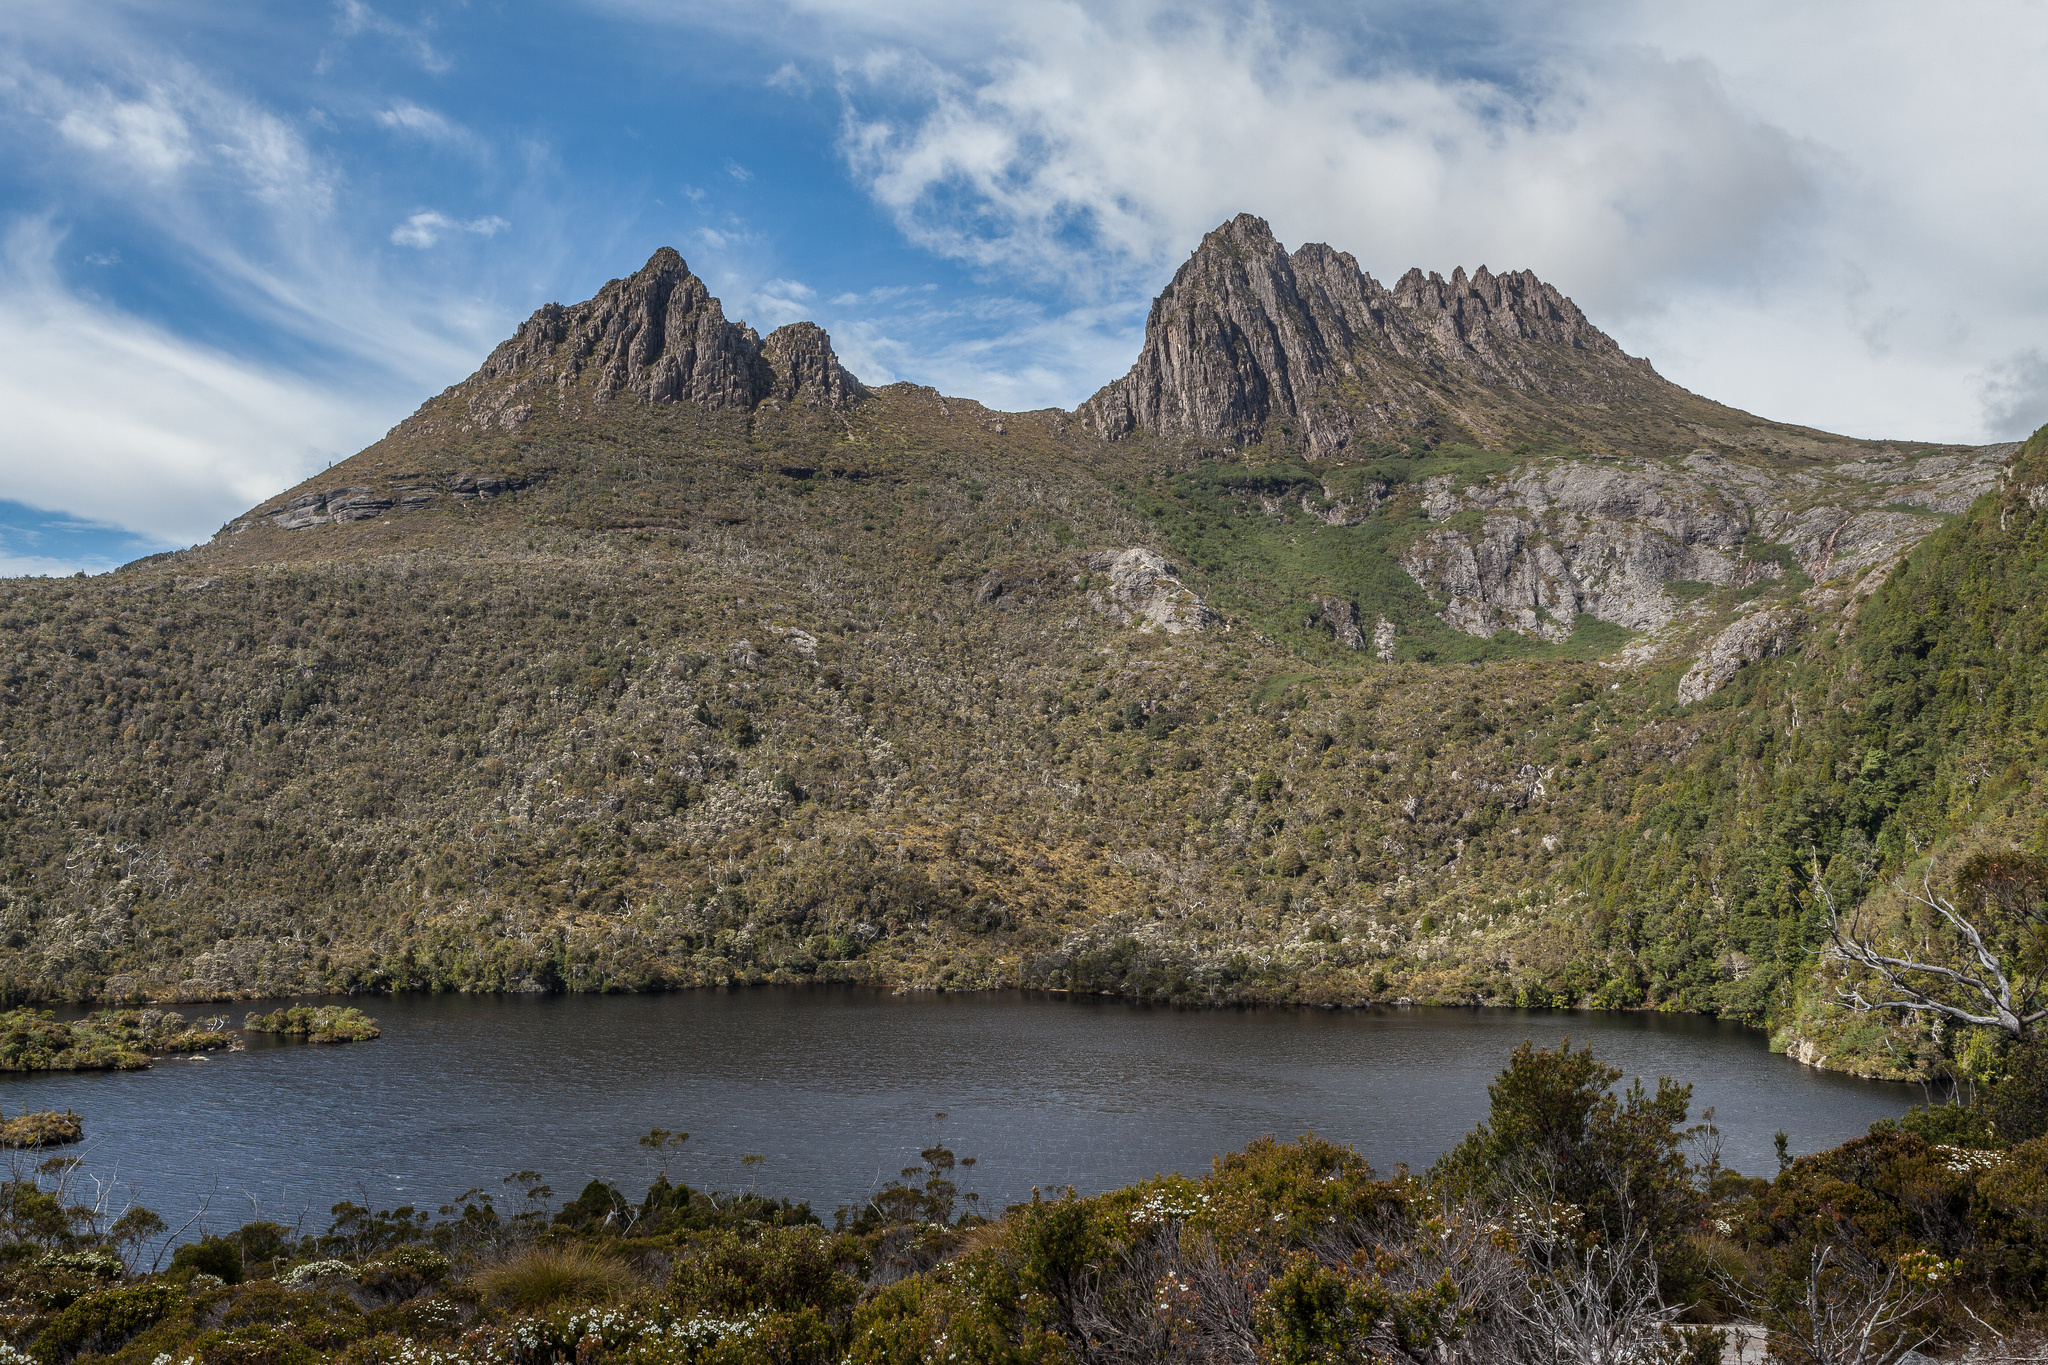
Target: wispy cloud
[429,125]
[788,78]
[425,229]
[146,429]
[353,17]
[144,134]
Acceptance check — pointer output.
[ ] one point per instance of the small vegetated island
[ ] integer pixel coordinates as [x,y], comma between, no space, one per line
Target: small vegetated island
[315,1023]
[1580,1222]
[128,1040]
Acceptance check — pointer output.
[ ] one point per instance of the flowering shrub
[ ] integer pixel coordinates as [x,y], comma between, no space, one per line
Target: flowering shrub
[103,1321]
[1924,1267]
[302,1275]
[101,1265]
[1968,1160]
[976,1311]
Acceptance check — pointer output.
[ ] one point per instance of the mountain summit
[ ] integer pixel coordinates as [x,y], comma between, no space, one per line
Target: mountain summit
[657,335]
[1250,342]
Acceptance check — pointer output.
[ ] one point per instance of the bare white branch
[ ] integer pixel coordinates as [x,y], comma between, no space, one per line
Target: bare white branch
[1965,980]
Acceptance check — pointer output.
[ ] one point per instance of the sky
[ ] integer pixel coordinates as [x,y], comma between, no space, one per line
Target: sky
[241,239]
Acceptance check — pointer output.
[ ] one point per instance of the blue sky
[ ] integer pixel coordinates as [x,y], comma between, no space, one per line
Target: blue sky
[240,240]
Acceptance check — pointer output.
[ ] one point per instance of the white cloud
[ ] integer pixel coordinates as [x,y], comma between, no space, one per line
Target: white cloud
[144,134]
[174,130]
[253,212]
[427,124]
[426,228]
[110,414]
[352,17]
[779,301]
[1107,141]
[1812,211]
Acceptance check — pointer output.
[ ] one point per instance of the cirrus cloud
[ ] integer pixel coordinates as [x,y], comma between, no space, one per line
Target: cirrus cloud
[426,228]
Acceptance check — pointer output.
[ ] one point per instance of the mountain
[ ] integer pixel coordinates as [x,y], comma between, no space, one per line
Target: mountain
[1339,652]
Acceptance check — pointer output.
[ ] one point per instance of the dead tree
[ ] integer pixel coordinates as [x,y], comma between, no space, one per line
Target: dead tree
[1851,1308]
[1987,967]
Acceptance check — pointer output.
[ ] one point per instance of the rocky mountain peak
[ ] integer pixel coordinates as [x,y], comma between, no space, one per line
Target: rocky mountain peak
[1249,338]
[657,335]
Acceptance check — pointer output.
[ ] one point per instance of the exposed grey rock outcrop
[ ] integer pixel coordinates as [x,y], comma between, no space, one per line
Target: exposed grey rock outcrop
[1608,540]
[1383,640]
[1141,587]
[1248,337]
[1342,615]
[1765,635]
[1575,539]
[322,506]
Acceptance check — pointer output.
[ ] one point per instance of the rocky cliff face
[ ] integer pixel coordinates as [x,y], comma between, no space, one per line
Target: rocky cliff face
[657,336]
[1249,341]
[1609,540]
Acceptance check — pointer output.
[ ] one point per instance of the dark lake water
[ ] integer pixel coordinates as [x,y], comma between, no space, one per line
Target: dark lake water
[837,1090]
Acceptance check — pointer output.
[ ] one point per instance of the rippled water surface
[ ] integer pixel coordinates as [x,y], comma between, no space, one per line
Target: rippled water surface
[837,1089]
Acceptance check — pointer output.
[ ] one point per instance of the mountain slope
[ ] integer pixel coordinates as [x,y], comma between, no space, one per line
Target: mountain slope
[659,653]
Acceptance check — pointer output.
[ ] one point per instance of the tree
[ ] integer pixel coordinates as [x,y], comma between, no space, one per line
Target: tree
[663,1144]
[1983,960]
[1850,1307]
[1555,1124]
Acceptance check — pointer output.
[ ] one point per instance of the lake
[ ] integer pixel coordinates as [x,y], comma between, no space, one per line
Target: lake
[837,1090]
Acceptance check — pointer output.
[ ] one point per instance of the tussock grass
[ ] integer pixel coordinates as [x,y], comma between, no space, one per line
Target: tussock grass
[541,1277]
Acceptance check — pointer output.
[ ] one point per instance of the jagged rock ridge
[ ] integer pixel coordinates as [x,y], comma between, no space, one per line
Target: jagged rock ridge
[657,335]
[1248,337]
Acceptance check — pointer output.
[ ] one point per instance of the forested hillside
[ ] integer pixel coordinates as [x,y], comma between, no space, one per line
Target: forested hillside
[1900,743]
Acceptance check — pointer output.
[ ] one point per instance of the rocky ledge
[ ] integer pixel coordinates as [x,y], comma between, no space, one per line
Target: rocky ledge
[406,492]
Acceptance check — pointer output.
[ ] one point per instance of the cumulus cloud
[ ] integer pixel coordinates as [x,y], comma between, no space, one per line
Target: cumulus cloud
[1109,141]
[426,228]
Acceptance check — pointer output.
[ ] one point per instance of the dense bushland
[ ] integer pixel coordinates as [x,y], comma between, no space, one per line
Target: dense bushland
[570,745]
[1903,743]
